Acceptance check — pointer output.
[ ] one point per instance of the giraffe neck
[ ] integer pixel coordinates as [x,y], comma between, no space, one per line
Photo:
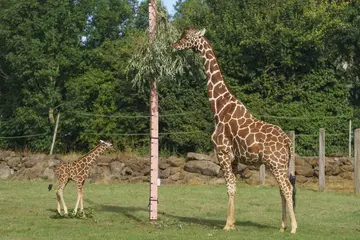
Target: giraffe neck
[90,157]
[218,92]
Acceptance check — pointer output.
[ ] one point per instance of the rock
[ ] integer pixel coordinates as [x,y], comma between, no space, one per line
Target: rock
[174,170]
[4,155]
[197,156]
[99,174]
[270,179]
[253,180]
[301,179]
[203,167]
[57,157]
[176,177]
[220,174]
[21,174]
[136,164]
[36,170]
[105,159]
[241,167]
[191,156]
[33,159]
[136,174]
[335,155]
[165,173]
[53,162]
[164,165]
[49,174]
[138,179]
[127,171]
[246,173]
[304,169]
[14,161]
[332,170]
[217,181]
[4,171]
[347,175]
[300,161]
[116,167]
[346,161]
[146,171]
[175,162]
[347,168]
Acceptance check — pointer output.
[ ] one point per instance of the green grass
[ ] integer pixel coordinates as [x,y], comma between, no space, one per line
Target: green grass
[119,211]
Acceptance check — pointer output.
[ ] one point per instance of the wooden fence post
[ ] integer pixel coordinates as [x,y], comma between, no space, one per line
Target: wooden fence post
[321,159]
[55,132]
[292,160]
[262,174]
[350,130]
[357,160]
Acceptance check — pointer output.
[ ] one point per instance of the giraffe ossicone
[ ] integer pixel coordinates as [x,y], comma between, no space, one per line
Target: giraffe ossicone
[239,136]
[77,171]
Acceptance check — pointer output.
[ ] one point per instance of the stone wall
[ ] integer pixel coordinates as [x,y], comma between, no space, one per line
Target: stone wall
[194,169]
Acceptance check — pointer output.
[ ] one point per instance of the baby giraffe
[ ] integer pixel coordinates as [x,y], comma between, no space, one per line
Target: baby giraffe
[77,171]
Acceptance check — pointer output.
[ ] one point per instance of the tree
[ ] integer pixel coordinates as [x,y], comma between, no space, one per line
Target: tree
[41,42]
[275,58]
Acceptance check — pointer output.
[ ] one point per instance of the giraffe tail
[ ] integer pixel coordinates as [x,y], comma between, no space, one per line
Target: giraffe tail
[292,177]
[50,187]
[292,181]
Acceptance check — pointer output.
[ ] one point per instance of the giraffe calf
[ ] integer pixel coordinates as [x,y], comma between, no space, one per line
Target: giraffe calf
[76,171]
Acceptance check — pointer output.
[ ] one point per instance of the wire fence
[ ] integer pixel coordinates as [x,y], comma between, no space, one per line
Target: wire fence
[309,139]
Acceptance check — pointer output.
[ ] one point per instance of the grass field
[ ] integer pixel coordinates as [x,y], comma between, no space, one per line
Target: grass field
[119,211]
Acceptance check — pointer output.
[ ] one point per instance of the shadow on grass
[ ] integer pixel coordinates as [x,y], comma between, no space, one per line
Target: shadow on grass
[215,223]
[128,211]
[88,213]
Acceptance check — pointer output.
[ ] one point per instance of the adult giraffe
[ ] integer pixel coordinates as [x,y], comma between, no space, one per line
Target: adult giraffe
[239,136]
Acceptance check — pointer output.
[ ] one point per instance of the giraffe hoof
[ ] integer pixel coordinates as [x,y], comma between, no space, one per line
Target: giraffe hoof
[229,227]
[293,231]
[282,230]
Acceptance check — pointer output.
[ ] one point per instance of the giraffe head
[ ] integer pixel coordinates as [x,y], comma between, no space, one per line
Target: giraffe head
[106,145]
[190,39]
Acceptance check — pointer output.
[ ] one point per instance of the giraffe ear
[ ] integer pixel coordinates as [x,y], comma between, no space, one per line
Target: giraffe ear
[201,32]
[101,141]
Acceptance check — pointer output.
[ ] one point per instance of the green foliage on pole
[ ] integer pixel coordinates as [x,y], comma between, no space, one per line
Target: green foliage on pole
[158,59]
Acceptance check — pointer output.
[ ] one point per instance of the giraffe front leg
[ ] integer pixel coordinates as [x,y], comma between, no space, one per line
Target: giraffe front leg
[230,220]
[82,200]
[283,218]
[79,186]
[225,163]
[76,205]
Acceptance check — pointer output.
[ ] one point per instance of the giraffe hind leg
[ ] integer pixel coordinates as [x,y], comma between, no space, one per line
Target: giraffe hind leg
[286,198]
[60,198]
[80,188]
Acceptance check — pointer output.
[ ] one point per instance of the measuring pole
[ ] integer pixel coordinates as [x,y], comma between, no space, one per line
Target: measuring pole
[154,126]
